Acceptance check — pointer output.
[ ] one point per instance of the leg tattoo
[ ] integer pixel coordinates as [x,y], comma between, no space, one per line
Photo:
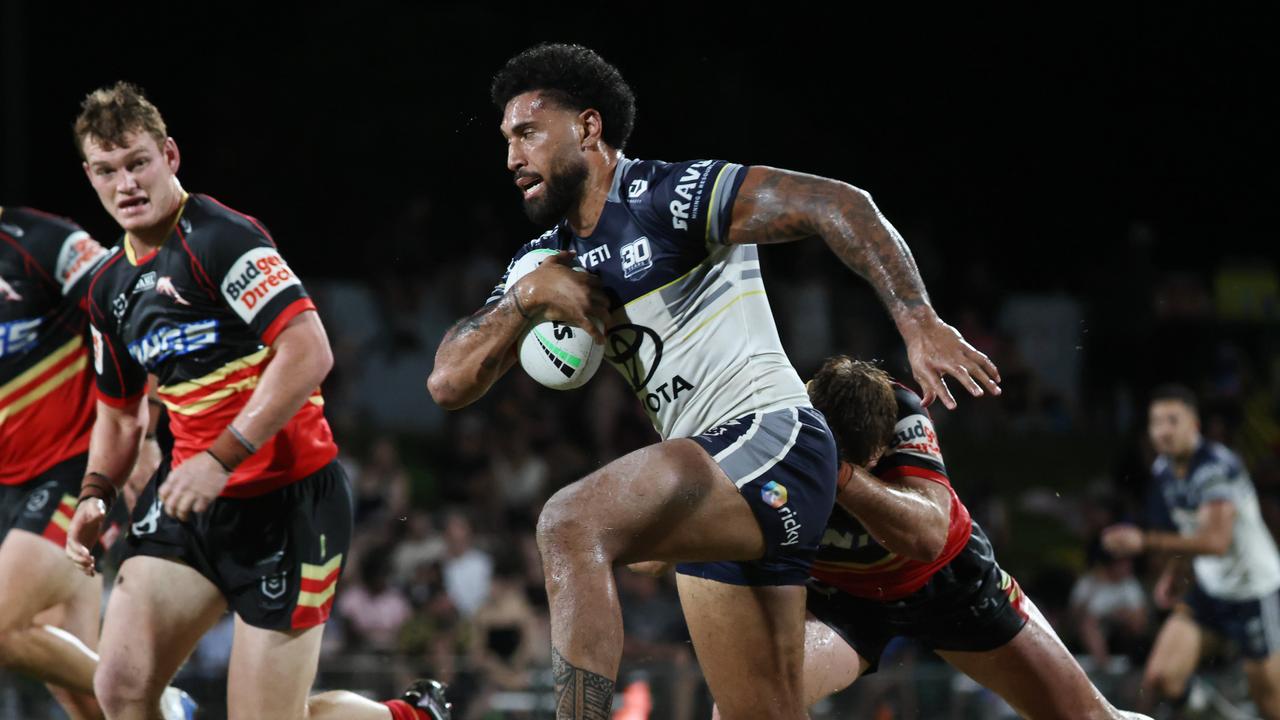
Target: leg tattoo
[580,694]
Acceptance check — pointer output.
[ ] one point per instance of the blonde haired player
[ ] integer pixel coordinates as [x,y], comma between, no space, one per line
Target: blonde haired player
[250,512]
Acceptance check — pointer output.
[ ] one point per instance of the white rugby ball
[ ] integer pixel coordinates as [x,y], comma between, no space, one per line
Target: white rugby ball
[556,354]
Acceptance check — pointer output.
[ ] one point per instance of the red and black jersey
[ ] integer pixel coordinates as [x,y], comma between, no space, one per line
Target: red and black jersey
[850,559]
[46,393]
[200,313]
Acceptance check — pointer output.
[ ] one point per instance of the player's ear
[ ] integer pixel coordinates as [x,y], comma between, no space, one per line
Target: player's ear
[172,157]
[592,126]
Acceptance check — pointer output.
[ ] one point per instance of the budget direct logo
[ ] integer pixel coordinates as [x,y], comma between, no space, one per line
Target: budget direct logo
[774,495]
[255,279]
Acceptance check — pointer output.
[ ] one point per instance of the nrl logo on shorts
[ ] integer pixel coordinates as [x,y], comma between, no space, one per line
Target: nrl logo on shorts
[118,306]
[37,500]
[273,586]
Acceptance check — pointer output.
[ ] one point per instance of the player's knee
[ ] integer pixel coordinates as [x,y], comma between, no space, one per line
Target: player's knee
[1164,683]
[563,528]
[122,690]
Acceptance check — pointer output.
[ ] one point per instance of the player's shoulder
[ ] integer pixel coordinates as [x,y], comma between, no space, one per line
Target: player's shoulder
[28,225]
[1215,460]
[913,433]
[207,222]
[909,402]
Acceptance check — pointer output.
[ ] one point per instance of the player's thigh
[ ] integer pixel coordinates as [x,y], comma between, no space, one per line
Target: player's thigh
[1176,651]
[830,663]
[35,575]
[1035,674]
[667,501]
[271,671]
[1264,684]
[157,612]
[80,615]
[750,644]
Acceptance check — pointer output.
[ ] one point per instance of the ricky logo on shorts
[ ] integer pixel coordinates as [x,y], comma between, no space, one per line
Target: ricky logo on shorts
[775,496]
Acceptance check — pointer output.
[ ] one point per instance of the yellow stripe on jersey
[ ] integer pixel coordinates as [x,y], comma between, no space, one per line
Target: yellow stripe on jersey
[713,315]
[44,388]
[320,572]
[188,386]
[34,371]
[316,599]
[198,406]
[711,205]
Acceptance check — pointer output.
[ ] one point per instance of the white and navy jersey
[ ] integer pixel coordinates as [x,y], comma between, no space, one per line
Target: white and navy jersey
[1251,566]
[691,329]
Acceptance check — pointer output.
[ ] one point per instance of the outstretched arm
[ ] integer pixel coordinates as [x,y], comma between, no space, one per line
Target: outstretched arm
[1215,529]
[776,206]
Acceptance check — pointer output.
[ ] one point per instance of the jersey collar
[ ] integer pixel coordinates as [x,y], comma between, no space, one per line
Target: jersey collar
[132,256]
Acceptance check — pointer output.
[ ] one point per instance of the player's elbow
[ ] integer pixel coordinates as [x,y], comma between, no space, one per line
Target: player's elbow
[445,389]
[929,545]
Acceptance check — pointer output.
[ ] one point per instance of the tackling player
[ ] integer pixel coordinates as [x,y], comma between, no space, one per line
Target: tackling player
[250,512]
[742,484]
[1236,588]
[901,557]
[48,611]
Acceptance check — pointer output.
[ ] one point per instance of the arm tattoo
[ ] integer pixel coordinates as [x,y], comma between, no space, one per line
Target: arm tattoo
[775,206]
[580,694]
[472,322]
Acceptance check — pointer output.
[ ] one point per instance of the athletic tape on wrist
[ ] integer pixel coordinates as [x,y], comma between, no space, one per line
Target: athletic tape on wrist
[99,486]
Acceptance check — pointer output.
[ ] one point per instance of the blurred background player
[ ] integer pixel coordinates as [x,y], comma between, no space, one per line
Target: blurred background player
[46,414]
[744,480]
[902,557]
[250,511]
[1235,590]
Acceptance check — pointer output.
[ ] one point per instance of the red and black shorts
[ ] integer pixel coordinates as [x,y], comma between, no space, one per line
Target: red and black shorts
[969,605]
[275,557]
[45,504]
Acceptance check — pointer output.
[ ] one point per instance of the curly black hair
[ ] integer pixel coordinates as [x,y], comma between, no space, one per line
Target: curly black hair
[575,77]
[858,401]
[1175,391]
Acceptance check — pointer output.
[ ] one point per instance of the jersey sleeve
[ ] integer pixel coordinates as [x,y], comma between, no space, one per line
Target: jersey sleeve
[121,380]
[251,275]
[1216,481]
[691,200]
[64,251]
[914,450]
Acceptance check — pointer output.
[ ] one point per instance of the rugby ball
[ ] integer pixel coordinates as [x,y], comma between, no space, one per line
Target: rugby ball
[556,354]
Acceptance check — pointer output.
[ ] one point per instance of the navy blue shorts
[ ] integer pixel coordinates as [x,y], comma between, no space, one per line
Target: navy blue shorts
[784,463]
[1254,625]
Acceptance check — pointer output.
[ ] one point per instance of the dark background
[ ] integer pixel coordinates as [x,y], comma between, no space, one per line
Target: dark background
[1028,136]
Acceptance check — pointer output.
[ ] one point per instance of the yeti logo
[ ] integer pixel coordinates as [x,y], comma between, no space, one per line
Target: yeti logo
[273,586]
[148,524]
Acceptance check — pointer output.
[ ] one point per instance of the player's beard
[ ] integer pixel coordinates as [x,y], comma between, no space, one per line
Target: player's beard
[562,189]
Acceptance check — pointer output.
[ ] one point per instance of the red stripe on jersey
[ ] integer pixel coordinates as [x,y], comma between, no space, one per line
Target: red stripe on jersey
[315,586]
[292,310]
[307,617]
[197,269]
[28,261]
[52,429]
[34,383]
[914,471]
[115,361]
[895,580]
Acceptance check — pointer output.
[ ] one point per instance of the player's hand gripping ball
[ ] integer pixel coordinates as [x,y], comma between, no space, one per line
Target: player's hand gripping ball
[556,354]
